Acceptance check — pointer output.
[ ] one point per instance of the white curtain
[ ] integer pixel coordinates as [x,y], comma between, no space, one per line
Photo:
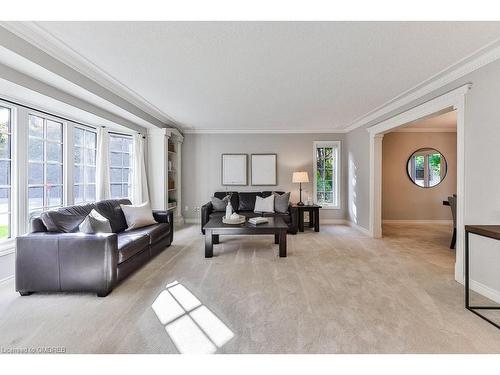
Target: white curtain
[102,170]
[140,192]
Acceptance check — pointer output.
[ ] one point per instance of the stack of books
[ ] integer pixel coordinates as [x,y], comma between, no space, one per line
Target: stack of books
[258,220]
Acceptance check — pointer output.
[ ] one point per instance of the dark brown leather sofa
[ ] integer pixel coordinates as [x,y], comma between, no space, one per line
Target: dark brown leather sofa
[56,257]
[244,203]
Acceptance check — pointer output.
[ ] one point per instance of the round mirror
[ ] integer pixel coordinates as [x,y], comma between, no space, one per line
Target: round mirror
[426,167]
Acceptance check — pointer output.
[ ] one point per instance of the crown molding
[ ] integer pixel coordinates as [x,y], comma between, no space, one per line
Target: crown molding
[45,41]
[469,64]
[263,131]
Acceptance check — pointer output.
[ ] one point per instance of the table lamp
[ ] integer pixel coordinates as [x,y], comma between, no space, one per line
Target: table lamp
[299,178]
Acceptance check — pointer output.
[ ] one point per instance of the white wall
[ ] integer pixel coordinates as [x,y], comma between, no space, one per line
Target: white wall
[482,154]
[201,165]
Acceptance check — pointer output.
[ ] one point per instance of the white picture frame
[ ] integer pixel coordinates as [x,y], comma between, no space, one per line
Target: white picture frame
[264,169]
[234,169]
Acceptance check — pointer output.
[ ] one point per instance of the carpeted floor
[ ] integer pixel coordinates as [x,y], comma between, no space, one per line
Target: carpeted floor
[337,292]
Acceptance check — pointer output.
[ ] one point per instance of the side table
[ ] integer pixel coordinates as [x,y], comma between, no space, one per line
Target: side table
[313,216]
[489,231]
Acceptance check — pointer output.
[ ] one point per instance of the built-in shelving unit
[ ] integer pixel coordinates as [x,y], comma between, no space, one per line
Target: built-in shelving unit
[164,170]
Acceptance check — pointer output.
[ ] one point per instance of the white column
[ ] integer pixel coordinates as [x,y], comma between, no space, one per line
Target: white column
[376,185]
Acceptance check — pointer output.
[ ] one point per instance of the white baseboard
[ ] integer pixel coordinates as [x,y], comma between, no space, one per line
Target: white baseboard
[359,228]
[333,221]
[6,278]
[486,291]
[417,222]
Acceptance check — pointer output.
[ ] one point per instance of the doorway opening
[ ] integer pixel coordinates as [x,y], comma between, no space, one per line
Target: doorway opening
[451,101]
[419,182]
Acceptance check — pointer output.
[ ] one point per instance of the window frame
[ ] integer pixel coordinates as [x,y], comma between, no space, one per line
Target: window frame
[13,175]
[130,167]
[337,171]
[84,148]
[45,162]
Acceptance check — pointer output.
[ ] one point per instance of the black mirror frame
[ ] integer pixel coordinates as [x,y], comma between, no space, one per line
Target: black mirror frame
[408,174]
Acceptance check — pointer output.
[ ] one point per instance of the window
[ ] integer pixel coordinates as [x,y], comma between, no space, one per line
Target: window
[427,167]
[5,173]
[120,147]
[326,173]
[45,164]
[84,175]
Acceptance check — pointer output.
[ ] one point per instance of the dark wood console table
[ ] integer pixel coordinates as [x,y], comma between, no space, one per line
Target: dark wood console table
[489,231]
[313,210]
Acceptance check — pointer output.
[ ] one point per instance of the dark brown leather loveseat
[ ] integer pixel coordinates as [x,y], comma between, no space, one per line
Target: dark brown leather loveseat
[244,203]
[56,257]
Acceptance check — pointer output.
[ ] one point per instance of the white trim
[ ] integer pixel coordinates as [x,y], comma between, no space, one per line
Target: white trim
[417,222]
[338,170]
[453,99]
[6,278]
[61,60]
[424,130]
[474,61]
[485,291]
[447,100]
[333,221]
[264,131]
[358,227]
[9,247]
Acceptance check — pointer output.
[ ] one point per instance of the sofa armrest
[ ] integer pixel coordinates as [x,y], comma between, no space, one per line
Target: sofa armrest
[206,210]
[166,217]
[66,262]
[163,216]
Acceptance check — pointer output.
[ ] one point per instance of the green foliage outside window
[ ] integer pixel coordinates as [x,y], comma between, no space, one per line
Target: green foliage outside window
[324,174]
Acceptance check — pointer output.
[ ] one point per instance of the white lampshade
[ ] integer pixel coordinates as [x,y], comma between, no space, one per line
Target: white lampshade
[300,177]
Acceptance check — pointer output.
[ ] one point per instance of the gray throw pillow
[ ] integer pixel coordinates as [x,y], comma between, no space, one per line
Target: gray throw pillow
[95,223]
[220,204]
[281,202]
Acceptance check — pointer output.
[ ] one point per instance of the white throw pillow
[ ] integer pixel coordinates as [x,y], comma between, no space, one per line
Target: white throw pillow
[264,204]
[138,216]
[94,222]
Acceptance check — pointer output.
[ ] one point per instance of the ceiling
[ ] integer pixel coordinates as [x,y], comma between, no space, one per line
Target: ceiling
[445,122]
[269,76]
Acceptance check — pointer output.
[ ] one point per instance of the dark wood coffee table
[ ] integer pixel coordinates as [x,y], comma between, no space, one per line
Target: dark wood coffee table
[215,228]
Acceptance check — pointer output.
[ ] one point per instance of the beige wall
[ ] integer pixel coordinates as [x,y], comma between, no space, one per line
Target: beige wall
[201,166]
[401,198]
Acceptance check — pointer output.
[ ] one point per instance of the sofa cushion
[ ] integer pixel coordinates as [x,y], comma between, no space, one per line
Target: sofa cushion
[234,197]
[247,200]
[66,219]
[95,223]
[267,193]
[155,232]
[220,204]
[130,243]
[112,211]
[264,204]
[281,202]
[138,216]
